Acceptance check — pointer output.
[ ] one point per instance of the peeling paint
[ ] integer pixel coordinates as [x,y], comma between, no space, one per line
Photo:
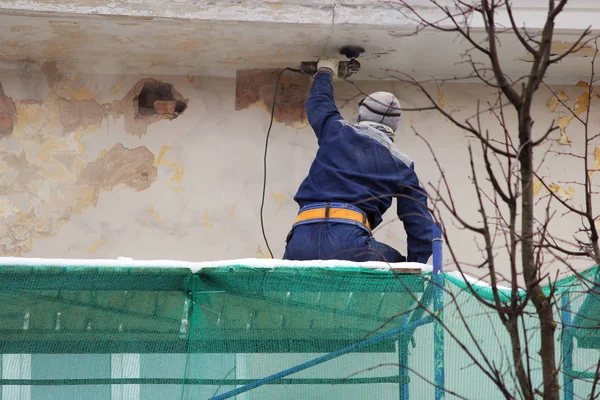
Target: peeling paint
[152,217]
[80,94]
[559,47]
[79,108]
[596,162]
[537,186]
[76,114]
[563,123]
[560,191]
[22,28]
[178,175]
[564,193]
[96,246]
[133,168]
[41,175]
[556,100]
[179,168]
[118,88]
[8,114]
[582,104]
[256,88]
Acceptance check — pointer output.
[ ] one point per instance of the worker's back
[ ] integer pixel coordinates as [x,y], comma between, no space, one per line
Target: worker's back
[355,175]
[357,165]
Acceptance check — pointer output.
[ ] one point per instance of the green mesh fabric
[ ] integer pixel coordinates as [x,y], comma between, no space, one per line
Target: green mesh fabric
[110,332]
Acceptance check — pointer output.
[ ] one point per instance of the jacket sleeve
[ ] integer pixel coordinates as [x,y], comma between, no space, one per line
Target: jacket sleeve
[413,212]
[321,110]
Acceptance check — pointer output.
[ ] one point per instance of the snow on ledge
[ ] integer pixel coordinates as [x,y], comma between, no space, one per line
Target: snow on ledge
[197,266]
[477,282]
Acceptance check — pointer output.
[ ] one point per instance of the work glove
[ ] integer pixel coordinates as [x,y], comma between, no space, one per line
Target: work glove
[328,63]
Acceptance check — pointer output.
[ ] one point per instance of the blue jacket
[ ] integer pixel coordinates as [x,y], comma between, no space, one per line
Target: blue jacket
[360,165]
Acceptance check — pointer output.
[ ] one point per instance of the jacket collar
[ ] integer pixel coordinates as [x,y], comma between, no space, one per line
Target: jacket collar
[380,127]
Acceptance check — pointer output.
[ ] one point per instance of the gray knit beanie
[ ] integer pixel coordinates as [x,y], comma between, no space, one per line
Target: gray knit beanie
[381,108]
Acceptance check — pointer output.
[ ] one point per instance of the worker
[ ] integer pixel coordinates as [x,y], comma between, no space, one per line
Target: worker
[355,175]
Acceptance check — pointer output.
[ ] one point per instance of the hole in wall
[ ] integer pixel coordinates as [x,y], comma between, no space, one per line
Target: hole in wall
[159,99]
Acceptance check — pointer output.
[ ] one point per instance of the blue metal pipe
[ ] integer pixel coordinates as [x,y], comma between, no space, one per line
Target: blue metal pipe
[567,347]
[322,359]
[438,309]
[403,370]
[425,302]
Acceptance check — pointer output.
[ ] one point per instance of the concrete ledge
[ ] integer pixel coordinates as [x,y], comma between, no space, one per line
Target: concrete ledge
[577,16]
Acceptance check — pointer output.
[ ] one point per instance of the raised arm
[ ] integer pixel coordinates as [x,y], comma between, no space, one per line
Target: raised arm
[320,107]
[413,212]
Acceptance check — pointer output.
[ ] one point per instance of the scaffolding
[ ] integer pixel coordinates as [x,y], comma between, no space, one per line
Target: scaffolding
[255,329]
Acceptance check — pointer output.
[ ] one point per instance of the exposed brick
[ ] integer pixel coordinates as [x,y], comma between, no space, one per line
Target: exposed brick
[258,86]
[164,107]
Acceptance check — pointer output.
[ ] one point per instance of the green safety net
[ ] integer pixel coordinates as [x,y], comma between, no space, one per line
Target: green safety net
[174,332]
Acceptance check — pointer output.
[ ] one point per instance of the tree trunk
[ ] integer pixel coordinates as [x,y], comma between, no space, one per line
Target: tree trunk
[530,271]
[512,326]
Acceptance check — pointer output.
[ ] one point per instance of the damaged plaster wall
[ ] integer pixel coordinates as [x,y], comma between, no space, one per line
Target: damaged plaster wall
[47,175]
[83,174]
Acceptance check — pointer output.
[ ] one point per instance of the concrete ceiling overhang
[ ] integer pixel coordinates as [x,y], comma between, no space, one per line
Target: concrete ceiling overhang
[217,38]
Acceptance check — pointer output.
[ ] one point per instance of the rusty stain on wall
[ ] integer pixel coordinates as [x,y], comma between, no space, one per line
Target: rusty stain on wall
[152,217]
[256,87]
[130,167]
[96,246]
[179,168]
[206,222]
[280,197]
[441,99]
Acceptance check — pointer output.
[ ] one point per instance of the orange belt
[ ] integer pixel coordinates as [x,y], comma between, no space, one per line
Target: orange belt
[338,213]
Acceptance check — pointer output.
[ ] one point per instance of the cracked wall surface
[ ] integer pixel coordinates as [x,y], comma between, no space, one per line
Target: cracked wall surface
[46,175]
[82,175]
[220,38]
[8,114]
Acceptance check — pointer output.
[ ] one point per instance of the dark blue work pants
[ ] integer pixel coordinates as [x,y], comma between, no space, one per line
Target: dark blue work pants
[328,240]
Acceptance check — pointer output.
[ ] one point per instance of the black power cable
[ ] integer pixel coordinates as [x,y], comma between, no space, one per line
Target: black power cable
[264,188]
